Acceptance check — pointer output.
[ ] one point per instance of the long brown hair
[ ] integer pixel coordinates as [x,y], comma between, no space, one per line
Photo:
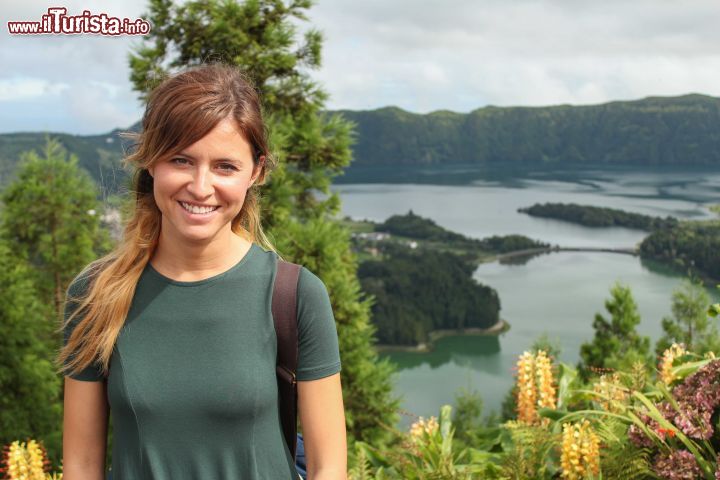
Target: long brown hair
[181,110]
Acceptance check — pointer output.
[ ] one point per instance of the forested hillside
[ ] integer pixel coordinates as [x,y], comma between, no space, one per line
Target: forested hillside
[654,131]
[678,131]
[418,292]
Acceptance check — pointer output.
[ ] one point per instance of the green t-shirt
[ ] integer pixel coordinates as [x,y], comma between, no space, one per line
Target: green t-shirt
[192,386]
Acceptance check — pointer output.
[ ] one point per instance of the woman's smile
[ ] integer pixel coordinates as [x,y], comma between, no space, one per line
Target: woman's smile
[195,208]
[195,212]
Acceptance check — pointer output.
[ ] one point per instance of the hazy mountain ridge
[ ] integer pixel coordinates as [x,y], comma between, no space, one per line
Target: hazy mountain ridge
[678,131]
[681,130]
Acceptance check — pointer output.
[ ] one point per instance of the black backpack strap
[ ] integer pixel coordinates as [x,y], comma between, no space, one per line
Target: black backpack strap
[284,311]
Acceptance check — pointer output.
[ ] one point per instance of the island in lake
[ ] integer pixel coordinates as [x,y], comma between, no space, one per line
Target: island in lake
[688,245]
[421,278]
[590,216]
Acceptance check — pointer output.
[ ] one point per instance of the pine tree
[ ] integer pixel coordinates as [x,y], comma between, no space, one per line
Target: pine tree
[617,344]
[28,384]
[51,224]
[313,147]
[52,217]
[689,324]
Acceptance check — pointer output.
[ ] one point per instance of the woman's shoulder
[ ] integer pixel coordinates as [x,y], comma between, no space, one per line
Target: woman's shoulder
[309,284]
[313,295]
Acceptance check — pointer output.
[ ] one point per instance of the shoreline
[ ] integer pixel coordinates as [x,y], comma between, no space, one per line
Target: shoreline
[557,248]
[500,327]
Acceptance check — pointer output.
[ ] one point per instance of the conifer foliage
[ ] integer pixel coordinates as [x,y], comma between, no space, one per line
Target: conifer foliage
[617,344]
[52,217]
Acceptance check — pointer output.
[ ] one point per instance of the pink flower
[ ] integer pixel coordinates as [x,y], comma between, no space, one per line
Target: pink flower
[677,465]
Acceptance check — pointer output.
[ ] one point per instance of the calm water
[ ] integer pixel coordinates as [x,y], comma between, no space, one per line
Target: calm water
[557,293]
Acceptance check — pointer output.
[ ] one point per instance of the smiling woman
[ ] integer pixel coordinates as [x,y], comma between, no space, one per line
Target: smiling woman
[172,333]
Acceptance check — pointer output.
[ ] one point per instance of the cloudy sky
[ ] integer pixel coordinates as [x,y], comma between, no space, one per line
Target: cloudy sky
[419,55]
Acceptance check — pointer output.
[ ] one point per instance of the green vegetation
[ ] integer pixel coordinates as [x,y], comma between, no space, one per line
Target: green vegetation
[425,233]
[693,246]
[52,217]
[681,130]
[30,399]
[590,216]
[689,324]
[511,243]
[420,228]
[617,344]
[421,277]
[688,245]
[99,155]
[417,292]
[50,228]
[622,420]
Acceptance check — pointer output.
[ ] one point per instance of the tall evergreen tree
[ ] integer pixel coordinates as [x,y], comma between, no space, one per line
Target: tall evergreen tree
[29,405]
[51,224]
[617,344]
[52,217]
[689,323]
[260,37]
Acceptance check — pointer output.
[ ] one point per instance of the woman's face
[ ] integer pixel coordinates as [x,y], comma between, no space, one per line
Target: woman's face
[201,189]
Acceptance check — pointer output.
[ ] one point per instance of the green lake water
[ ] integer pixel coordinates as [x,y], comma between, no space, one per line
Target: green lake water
[558,293]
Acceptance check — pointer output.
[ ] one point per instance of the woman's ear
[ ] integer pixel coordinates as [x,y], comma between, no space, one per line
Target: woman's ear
[257,169]
[151,171]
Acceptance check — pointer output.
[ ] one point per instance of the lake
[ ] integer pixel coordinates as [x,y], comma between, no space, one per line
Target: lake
[557,293]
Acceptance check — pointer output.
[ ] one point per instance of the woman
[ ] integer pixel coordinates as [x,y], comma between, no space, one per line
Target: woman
[172,332]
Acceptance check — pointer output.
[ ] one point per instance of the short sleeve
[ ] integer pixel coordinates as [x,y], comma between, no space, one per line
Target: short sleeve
[319,354]
[93,372]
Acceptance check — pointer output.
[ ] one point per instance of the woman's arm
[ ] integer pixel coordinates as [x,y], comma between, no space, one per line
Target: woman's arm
[85,426]
[322,415]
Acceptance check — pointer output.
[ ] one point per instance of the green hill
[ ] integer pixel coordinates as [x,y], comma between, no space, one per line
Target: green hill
[654,131]
[679,131]
[98,154]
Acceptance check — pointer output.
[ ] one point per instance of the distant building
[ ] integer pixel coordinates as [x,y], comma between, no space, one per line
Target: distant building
[374,236]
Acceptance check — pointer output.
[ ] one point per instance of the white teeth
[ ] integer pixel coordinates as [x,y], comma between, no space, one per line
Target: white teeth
[196,209]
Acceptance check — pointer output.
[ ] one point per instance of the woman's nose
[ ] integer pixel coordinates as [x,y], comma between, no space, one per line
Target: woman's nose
[201,185]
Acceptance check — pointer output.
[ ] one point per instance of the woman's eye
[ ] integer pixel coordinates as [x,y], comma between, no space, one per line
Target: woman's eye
[227,167]
[178,160]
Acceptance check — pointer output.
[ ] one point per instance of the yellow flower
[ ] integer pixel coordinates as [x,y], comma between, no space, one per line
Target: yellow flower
[526,389]
[546,382]
[535,386]
[580,455]
[422,426]
[27,462]
[666,364]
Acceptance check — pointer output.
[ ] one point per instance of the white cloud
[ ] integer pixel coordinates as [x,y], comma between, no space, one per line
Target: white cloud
[18,88]
[522,52]
[98,103]
[81,80]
